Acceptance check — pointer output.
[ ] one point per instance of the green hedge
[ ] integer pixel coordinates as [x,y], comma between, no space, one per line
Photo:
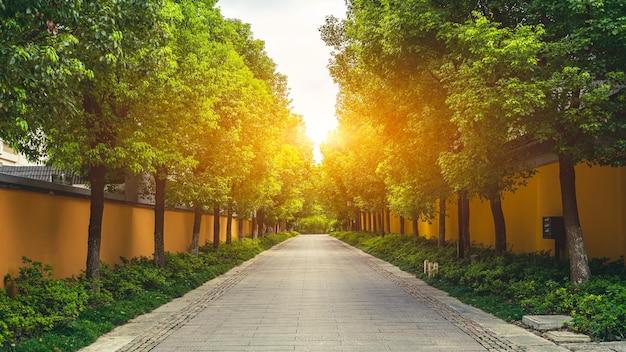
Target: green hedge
[514,284]
[49,314]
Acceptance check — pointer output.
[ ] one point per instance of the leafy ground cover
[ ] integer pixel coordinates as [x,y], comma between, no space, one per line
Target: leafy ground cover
[49,314]
[512,285]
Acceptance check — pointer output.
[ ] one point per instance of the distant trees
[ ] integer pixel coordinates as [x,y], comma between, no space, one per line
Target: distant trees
[455,86]
[162,88]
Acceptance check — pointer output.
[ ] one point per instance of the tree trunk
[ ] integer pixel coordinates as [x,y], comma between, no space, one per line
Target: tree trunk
[159,216]
[357,216]
[387,220]
[463,243]
[216,226]
[195,236]
[579,264]
[96,210]
[416,231]
[97,181]
[229,224]
[240,234]
[255,232]
[441,240]
[261,222]
[498,222]
[402,225]
[381,222]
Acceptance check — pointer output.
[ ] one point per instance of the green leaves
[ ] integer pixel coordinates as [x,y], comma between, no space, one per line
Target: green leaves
[42,303]
[503,73]
[491,90]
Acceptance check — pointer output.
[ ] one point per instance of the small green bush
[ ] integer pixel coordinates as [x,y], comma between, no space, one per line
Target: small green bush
[5,311]
[131,277]
[42,303]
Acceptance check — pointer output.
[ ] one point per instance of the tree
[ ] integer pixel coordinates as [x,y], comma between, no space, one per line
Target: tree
[216,92]
[400,95]
[77,66]
[255,191]
[581,73]
[510,72]
[118,43]
[37,41]
[332,193]
[293,163]
[351,156]
[491,90]
[187,96]
[584,116]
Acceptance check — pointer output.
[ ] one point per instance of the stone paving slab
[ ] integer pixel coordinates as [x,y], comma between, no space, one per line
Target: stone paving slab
[546,322]
[315,293]
[566,336]
[597,347]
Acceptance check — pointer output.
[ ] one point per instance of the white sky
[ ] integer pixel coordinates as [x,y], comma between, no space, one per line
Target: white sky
[290,31]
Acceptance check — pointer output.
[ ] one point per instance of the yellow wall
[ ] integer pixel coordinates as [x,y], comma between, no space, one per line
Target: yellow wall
[52,229]
[37,226]
[601,193]
[603,210]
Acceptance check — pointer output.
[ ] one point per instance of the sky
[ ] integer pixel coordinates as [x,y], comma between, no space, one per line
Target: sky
[289,29]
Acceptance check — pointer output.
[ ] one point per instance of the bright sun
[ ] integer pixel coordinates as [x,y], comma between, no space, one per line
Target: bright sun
[318,129]
[317,133]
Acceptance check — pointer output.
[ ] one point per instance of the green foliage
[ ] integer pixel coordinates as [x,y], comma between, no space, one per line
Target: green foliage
[5,311]
[37,69]
[315,224]
[42,303]
[64,315]
[513,285]
[132,277]
[269,241]
[459,90]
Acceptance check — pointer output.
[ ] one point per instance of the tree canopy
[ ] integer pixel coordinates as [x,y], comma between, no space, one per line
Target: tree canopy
[456,88]
[115,89]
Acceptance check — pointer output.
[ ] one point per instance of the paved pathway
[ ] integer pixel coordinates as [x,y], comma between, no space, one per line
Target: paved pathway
[315,293]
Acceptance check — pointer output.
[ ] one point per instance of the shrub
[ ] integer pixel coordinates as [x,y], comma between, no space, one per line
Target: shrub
[182,265]
[131,277]
[42,303]
[5,311]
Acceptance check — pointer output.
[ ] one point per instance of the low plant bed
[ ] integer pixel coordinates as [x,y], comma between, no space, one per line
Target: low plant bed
[49,314]
[512,285]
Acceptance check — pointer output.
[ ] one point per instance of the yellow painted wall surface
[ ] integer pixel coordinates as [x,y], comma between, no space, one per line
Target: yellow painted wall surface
[601,193]
[52,229]
[602,205]
[44,229]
